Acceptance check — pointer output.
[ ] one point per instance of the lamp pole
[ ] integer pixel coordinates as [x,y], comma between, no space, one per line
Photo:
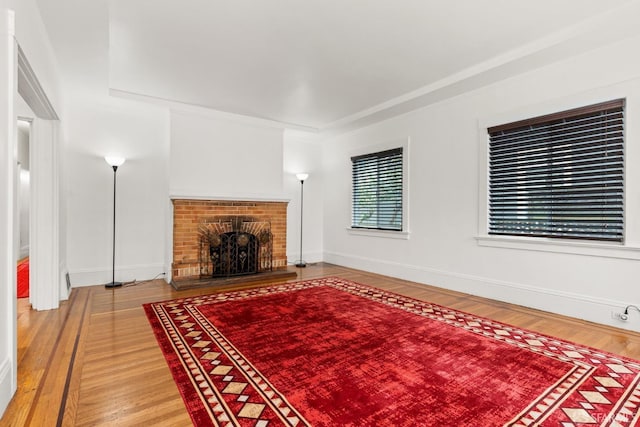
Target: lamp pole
[114,162]
[301,177]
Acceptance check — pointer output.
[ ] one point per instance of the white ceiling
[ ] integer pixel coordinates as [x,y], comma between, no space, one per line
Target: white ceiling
[318,64]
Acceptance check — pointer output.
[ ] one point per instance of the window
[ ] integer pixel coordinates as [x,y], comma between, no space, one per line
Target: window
[560,175]
[377,190]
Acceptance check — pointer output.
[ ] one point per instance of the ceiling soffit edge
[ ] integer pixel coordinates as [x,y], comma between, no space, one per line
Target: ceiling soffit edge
[193,109]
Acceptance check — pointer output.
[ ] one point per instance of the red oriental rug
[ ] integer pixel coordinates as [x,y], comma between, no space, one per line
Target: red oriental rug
[23,278]
[330,352]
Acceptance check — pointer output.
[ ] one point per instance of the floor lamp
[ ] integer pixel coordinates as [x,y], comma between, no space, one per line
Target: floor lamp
[301,177]
[114,162]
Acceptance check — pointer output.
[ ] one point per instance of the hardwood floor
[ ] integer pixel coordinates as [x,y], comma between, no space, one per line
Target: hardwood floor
[95,360]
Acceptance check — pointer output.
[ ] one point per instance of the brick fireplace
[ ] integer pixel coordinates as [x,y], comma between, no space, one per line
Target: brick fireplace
[197,223]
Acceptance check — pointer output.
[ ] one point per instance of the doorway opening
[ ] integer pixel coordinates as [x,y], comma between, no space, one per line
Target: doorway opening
[24,207]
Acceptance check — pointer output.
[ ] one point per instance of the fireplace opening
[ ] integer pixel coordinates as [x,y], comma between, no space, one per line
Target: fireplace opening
[235,246]
[236,254]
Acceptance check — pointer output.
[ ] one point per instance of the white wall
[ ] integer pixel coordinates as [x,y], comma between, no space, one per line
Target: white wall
[138,132]
[446,191]
[303,153]
[212,158]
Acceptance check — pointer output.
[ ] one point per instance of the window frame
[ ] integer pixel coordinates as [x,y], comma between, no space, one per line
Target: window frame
[630,248]
[526,163]
[374,232]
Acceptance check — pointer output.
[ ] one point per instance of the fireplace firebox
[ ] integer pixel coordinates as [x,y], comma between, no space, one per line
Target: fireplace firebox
[235,246]
[233,254]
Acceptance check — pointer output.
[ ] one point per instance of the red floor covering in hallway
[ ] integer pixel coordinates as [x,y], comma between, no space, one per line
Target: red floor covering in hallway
[23,278]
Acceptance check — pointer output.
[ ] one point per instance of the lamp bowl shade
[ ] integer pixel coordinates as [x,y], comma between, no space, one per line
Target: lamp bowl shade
[114,160]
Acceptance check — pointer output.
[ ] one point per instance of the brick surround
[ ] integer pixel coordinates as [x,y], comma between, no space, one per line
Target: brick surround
[189,214]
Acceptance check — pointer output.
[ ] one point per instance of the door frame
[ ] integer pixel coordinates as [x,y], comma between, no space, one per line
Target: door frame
[46,285]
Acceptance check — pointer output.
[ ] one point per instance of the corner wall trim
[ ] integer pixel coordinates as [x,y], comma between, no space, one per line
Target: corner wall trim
[583,307]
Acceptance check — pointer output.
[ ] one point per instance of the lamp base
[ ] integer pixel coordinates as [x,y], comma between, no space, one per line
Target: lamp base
[300,263]
[113,285]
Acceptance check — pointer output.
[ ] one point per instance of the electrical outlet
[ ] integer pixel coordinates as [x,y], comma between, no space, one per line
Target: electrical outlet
[619,316]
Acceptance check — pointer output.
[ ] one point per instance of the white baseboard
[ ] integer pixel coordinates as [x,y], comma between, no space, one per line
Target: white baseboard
[89,277]
[584,307]
[6,388]
[309,257]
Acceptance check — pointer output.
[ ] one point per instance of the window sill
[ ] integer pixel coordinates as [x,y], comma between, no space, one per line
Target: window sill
[608,250]
[388,234]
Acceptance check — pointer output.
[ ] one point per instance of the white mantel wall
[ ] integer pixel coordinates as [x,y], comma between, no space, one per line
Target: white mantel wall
[445,186]
[211,158]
